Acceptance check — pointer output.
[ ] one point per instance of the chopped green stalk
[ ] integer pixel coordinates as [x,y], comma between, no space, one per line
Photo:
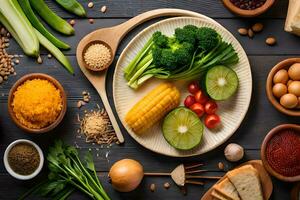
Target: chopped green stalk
[186,55]
[25,4]
[51,18]
[132,65]
[55,52]
[72,6]
[15,21]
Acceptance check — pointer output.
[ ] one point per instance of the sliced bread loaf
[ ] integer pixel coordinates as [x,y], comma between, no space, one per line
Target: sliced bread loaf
[218,196]
[226,188]
[247,182]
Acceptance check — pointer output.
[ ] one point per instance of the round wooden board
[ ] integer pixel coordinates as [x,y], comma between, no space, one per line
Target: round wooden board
[232,111]
[266,182]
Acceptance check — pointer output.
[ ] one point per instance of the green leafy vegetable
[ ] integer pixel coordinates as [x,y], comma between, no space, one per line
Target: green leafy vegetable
[68,172]
[51,18]
[72,6]
[15,21]
[55,51]
[25,4]
[186,55]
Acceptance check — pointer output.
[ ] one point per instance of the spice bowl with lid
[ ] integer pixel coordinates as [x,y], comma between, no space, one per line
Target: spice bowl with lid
[283,86]
[280,152]
[23,159]
[248,8]
[37,103]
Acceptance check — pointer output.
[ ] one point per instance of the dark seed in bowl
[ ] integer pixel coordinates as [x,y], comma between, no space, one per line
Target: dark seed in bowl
[248,4]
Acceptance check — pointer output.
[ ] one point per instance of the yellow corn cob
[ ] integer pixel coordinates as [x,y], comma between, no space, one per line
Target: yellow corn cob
[153,107]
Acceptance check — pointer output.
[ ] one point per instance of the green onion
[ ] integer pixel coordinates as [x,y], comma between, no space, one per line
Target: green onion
[25,4]
[51,18]
[55,51]
[15,21]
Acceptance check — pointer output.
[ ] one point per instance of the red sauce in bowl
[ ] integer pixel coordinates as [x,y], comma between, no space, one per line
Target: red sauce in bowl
[283,152]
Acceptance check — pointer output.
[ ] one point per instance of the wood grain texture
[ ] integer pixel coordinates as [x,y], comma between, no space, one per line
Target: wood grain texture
[260,118]
[130,8]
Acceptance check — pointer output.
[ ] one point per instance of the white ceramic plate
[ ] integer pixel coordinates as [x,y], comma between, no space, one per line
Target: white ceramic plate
[232,111]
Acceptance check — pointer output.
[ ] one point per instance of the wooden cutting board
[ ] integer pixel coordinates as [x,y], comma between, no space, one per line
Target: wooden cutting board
[266,182]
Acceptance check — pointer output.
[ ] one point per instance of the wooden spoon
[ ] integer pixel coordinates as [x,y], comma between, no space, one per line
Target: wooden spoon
[266,182]
[111,37]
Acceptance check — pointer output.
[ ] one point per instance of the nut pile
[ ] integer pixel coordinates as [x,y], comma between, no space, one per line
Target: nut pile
[256,28]
[6,61]
[86,99]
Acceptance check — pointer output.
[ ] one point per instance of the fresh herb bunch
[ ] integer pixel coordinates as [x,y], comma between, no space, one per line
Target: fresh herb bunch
[67,172]
[185,55]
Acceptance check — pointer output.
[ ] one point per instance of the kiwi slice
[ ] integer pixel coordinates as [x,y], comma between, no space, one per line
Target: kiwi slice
[182,129]
[221,82]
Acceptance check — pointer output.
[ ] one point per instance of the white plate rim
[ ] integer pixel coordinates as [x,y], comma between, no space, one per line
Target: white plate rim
[207,20]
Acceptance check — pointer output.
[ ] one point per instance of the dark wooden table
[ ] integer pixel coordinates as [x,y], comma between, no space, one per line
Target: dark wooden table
[260,119]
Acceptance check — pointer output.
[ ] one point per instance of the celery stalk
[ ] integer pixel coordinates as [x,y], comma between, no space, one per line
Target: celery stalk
[55,51]
[13,18]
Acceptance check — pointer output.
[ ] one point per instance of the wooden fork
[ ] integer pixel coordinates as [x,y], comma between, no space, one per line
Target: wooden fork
[181,175]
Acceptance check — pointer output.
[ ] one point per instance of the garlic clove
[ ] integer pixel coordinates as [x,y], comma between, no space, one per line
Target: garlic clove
[234,152]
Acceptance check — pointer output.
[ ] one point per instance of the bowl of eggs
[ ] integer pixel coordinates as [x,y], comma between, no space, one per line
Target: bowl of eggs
[283,86]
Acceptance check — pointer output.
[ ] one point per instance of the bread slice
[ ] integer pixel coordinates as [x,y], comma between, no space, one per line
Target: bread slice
[218,196]
[292,10]
[226,188]
[247,182]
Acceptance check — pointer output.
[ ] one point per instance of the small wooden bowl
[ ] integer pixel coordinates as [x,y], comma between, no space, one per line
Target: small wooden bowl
[285,64]
[248,13]
[91,67]
[273,132]
[30,77]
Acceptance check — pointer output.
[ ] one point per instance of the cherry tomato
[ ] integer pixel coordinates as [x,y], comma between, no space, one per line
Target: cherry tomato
[193,87]
[201,97]
[212,121]
[198,109]
[210,107]
[189,100]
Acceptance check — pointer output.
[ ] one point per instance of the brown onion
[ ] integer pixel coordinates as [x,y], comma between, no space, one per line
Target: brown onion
[126,175]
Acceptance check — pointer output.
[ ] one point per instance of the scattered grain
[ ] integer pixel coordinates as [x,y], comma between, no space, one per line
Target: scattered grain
[167,185]
[271,41]
[243,31]
[49,56]
[152,187]
[91,21]
[221,166]
[257,27]
[17,61]
[250,33]
[72,22]
[103,9]
[90,4]
[97,128]
[39,60]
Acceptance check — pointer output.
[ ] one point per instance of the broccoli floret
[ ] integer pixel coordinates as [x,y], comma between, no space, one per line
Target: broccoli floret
[186,34]
[174,55]
[160,40]
[207,38]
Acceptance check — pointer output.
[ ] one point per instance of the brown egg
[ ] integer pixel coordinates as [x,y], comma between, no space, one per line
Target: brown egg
[294,88]
[279,89]
[289,82]
[294,72]
[281,77]
[298,103]
[289,101]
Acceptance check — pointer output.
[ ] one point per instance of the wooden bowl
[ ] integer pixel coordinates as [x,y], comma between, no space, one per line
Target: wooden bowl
[30,77]
[273,132]
[248,13]
[285,64]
